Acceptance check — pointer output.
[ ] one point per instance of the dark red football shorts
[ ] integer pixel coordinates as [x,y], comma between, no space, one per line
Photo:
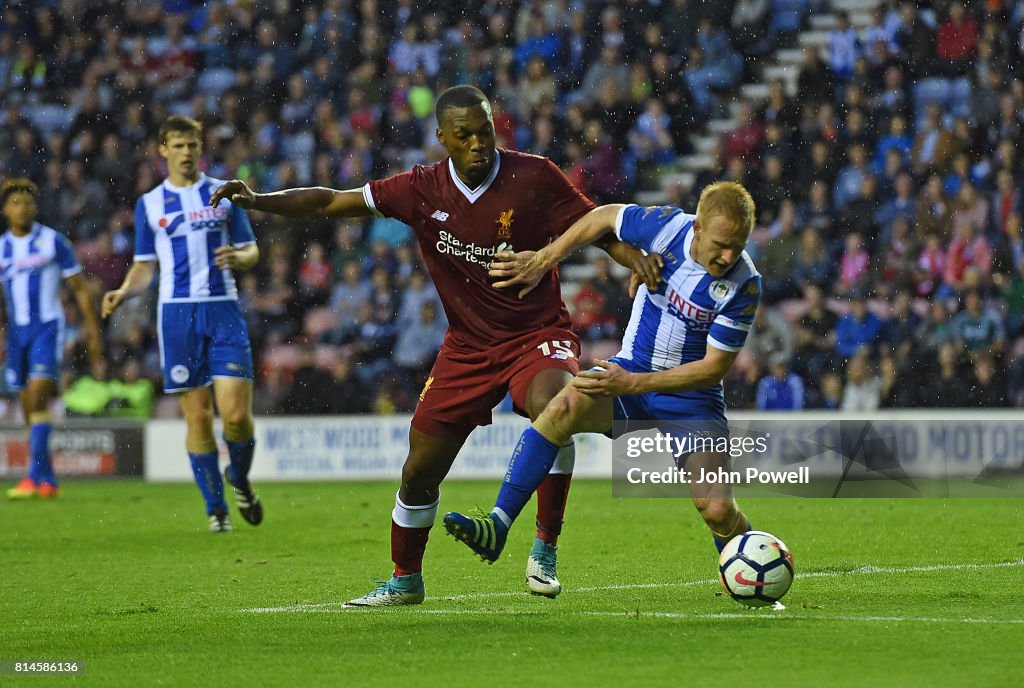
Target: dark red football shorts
[464,386]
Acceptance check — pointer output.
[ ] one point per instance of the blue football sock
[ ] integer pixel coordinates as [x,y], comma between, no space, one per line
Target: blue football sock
[531,460]
[720,543]
[40,469]
[240,454]
[204,467]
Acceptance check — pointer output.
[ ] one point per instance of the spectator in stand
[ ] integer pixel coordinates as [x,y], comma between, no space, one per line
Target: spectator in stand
[858,329]
[969,249]
[770,334]
[933,333]
[650,139]
[773,193]
[537,85]
[271,391]
[897,139]
[956,41]
[932,150]
[894,259]
[418,342]
[854,263]
[815,336]
[713,64]
[314,276]
[902,205]
[895,390]
[934,213]
[844,47]
[104,269]
[944,388]
[781,389]
[830,396]
[741,385]
[978,329]
[348,395]
[778,260]
[90,394]
[851,177]
[348,247]
[590,318]
[1006,202]
[812,265]
[1012,292]
[988,387]
[862,392]
[610,66]
[83,203]
[749,25]
[275,303]
[310,389]
[816,211]
[745,140]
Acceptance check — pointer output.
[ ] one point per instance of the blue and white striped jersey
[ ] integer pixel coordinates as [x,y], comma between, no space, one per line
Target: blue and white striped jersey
[31,268]
[691,308]
[177,227]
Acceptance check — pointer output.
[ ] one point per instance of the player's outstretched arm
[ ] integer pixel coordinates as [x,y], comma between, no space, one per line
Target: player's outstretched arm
[315,201]
[93,343]
[138,279]
[525,269]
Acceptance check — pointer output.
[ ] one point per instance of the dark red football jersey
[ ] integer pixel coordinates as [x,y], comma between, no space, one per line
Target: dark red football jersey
[524,204]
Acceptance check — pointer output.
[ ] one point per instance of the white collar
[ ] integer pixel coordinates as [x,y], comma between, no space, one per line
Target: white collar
[196,183]
[472,195]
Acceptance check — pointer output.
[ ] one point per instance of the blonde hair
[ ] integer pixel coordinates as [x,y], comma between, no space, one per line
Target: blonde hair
[730,200]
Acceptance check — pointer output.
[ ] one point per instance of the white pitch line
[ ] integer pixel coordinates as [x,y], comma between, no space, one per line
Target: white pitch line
[862,570]
[752,615]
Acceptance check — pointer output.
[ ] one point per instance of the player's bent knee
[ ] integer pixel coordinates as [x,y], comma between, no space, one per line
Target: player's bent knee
[568,410]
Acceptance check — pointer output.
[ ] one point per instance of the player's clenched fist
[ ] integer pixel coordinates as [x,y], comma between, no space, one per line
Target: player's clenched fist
[236,191]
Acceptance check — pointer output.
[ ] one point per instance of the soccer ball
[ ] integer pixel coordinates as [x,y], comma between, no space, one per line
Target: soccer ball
[756,568]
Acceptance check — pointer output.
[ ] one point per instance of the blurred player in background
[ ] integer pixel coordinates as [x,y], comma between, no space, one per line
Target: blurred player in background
[681,340]
[33,259]
[203,337]
[477,201]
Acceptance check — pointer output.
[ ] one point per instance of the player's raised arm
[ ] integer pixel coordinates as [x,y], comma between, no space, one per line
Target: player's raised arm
[317,201]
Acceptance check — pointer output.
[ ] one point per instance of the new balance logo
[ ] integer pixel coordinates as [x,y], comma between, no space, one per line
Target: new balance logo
[439,215]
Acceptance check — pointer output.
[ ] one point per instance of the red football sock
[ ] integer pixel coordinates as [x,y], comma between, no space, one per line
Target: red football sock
[551,498]
[407,548]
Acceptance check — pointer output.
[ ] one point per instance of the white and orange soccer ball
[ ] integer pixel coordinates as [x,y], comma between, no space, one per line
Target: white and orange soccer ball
[756,568]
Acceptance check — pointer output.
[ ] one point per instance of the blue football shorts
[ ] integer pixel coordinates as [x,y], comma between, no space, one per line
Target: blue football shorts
[697,414]
[33,350]
[200,341]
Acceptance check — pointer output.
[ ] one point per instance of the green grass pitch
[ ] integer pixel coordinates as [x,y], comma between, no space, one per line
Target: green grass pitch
[123,577]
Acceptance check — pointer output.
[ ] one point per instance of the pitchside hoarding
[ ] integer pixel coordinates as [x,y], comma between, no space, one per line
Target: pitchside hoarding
[827,445]
[80,448]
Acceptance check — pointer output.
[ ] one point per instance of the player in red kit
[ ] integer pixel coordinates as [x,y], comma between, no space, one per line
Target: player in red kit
[478,201]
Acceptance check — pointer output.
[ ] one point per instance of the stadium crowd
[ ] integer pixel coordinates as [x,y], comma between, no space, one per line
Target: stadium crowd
[888,183]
